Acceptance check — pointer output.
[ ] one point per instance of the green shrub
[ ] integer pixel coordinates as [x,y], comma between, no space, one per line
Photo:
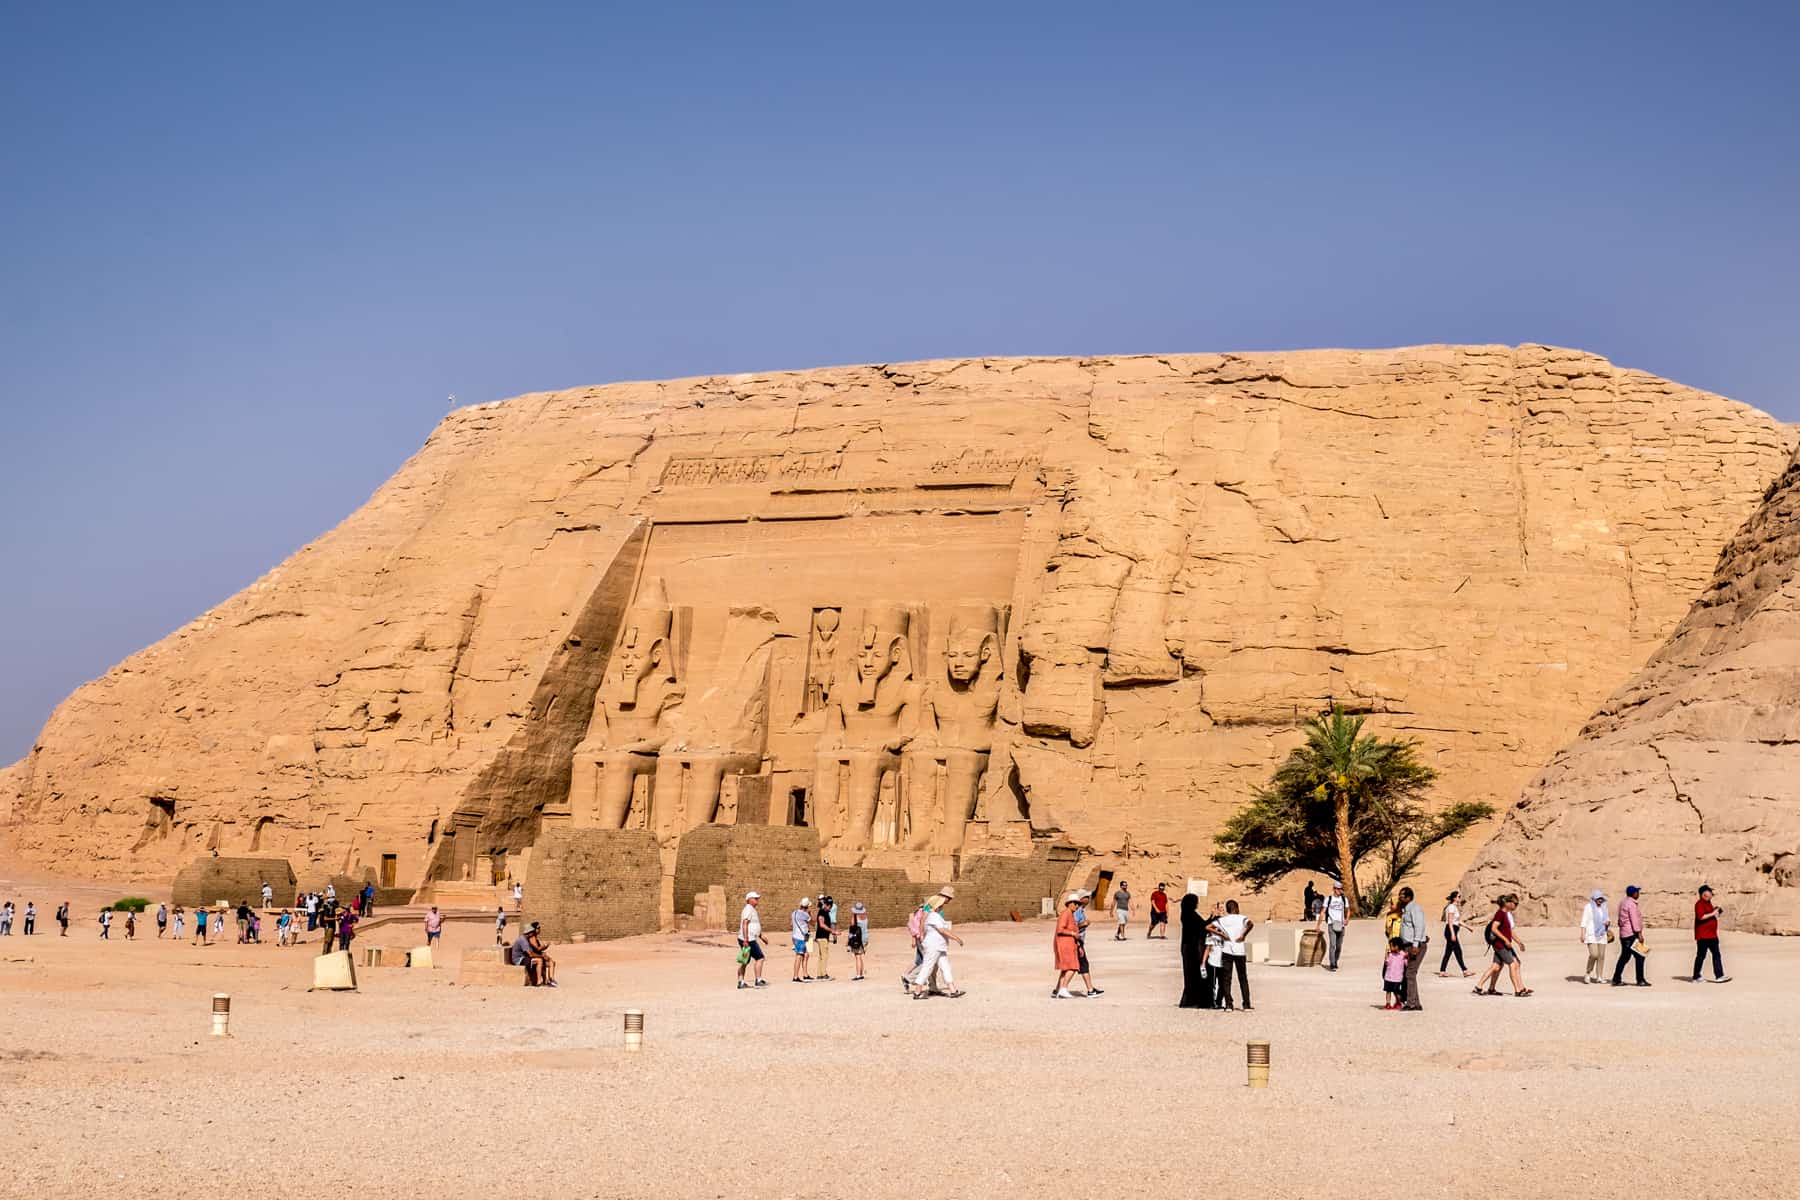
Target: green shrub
[136,904]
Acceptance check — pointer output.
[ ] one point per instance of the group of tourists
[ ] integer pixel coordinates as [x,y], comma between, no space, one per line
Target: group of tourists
[1213,949]
[816,924]
[8,914]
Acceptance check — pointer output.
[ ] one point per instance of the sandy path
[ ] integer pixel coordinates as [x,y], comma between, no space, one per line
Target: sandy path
[112,1088]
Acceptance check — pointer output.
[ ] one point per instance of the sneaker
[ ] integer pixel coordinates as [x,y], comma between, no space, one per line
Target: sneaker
[742,985]
[821,977]
[1096,991]
[1064,994]
[1643,983]
[1249,1008]
[1723,979]
[856,979]
[1693,979]
[552,983]
[762,983]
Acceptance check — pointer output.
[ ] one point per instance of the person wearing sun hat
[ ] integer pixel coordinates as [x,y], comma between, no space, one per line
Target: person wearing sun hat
[1595,933]
[750,941]
[935,948]
[802,920]
[857,937]
[1068,958]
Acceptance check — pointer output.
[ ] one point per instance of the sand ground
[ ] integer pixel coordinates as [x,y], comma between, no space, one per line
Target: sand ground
[111,1087]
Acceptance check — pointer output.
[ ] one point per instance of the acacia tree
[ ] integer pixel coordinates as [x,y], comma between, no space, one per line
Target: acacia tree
[1338,799]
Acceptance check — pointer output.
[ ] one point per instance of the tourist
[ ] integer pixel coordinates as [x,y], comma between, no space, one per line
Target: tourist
[1596,932]
[200,924]
[312,911]
[177,922]
[368,900]
[1159,913]
[268,895]
[518,895]
[1706,935]
[330,892]
[106,924]
[1334,914]
[1067,947]
[30,917]
[130,925]
[1309,901]
[1502,934]
[1121,907]
[284,928]
[500,925]
[915,929]
[1081,927]
[1631,939]
[936,944]
[1196,979]
[243,921]
[346,927]
[1234,927]
[521,955]
[62,917]
[802,923]
[858,937]
[1413,939]
[824,933]
[6,919]
[1393,976]
[162,920]
[434,926]
[750,940]
[540,954]
[1453,930]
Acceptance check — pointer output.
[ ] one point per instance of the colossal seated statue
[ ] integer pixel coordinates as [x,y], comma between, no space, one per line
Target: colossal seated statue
[955,731]
[629,724]
[868,720]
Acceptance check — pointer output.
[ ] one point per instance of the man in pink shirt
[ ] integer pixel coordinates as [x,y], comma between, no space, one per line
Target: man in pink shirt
[1631,932]
[434,926]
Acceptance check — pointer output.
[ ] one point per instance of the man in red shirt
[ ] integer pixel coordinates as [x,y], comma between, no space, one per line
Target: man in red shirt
[1706,935]
[1159,913]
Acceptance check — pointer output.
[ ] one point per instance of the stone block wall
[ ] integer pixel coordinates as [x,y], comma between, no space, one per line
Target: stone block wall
[206,881]
[780,861]
[604,883]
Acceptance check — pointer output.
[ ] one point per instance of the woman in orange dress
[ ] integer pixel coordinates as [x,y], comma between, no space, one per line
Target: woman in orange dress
[1068,954]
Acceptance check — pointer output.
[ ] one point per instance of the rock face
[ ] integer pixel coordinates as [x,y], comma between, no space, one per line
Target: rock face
[1690,773]
[929,611]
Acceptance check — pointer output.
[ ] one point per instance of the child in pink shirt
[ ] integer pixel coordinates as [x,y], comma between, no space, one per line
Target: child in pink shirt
[1393,976]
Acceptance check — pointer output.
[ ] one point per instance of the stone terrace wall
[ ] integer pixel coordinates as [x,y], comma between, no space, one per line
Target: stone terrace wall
[779,861]
[604,883]
[205,881]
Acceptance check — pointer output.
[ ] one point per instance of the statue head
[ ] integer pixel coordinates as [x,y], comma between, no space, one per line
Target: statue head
[972,642]
[825,623]
[642,648]
[880,649]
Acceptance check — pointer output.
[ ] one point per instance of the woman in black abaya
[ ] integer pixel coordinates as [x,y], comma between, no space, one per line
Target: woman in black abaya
[1196,980]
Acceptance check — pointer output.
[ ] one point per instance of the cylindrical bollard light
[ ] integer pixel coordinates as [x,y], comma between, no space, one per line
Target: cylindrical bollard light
[221,1015]
[1256,1059]
[634,1029]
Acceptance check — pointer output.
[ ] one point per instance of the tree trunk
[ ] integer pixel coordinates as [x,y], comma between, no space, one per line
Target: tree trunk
[1345,875]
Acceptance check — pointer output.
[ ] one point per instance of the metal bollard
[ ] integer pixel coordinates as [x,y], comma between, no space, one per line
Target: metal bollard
[634,1029]
[221,1015]
[1256,1060]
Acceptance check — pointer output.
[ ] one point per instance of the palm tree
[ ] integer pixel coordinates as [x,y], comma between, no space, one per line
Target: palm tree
[1339,764]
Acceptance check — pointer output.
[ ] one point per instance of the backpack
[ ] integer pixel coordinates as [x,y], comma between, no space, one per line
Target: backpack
[915,924]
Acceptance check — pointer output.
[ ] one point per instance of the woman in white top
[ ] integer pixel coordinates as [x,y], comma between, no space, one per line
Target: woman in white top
[1595,921]
[1453,927]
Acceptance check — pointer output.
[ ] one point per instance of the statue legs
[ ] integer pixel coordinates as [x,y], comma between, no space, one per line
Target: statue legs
[687,787]
[867,767]
[963,770]
[600,787]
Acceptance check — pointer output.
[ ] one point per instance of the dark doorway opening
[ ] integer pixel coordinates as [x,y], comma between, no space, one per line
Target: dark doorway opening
[797,813]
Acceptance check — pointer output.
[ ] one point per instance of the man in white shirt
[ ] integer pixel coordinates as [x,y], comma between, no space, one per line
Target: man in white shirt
[1594,923]
[1234,927]
[935,946]
[1333,915]
[750,940]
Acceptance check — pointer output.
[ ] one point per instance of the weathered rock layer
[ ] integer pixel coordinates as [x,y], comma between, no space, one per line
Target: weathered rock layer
[1690,773]
[1163,562]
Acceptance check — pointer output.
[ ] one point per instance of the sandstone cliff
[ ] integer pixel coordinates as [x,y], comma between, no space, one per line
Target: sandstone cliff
[1476,543]
[1690,773]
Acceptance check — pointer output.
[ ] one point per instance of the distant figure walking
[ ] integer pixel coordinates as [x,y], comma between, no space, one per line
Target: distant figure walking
[824,933]
[518,895]
[1334,914]
[1631,939]
[936,945]
[1196,980]
[1234,927]
[30,917]
[434,926]
[1081,928]
[1067,951]
[6,919]
[130,926]
[106,924]
[1309,902]
[1414,940]
[268,895]
[857,937]
[1596,932]
[62,917]
[1159,913]
[801,920]
[500,925]
[1121,906]
[1503,936]
[180,922]
[162,920]
[1453,929]
[750,940]
[346,927]
[1393,977]
[1706,935]
[200,915]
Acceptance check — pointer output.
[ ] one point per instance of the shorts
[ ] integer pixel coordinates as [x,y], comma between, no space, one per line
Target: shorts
[1158,918]
[1122,916]
[1081,963]
[755,949]
[1394,987]
[799,947]
[1505,956]
[432,935]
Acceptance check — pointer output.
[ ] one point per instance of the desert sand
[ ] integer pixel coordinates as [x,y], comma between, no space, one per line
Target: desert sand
[415,1086]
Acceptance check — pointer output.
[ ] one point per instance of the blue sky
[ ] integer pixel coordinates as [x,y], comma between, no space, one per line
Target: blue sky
[249,250]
